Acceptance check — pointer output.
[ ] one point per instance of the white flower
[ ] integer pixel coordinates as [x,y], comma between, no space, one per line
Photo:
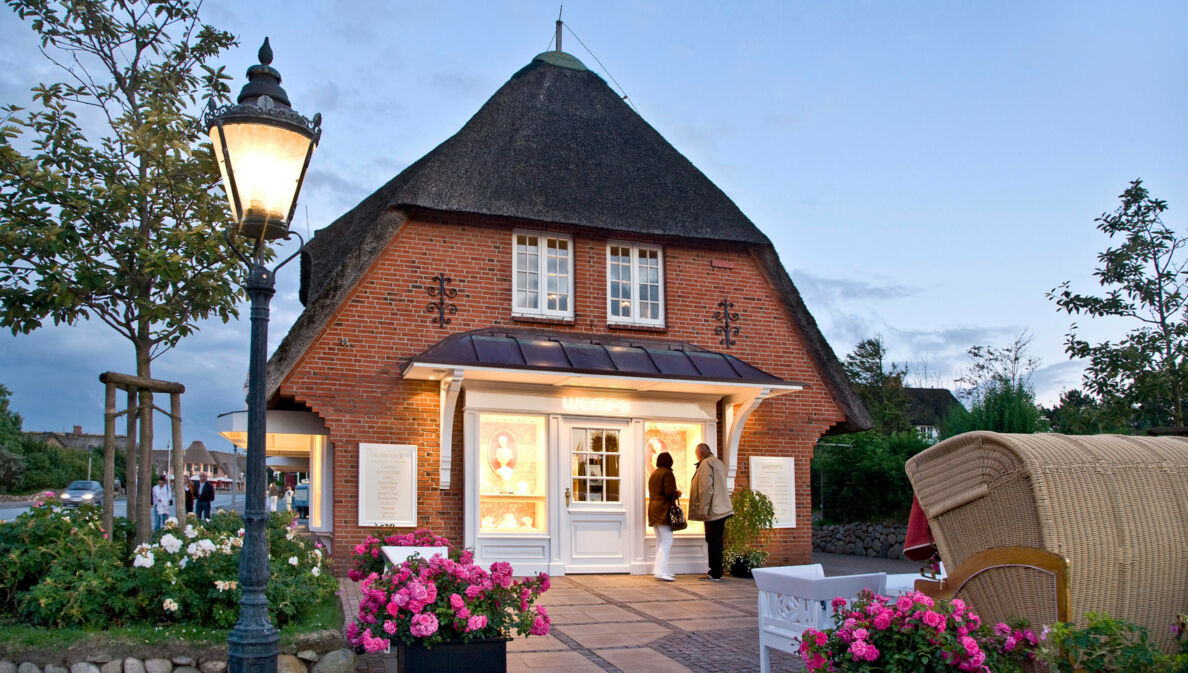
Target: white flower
[291,534]
[292,560]
[316,571]
[170,543]
[170,605]
[141,548]
[171,521]
[144,560]
[239,532]
[318,553]
[225,586]
[207,546]
[190,532]
[183,562]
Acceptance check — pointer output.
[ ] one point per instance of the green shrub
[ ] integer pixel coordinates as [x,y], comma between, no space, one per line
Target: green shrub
[861,477]
[753,514]
[1108,644]
[61,570]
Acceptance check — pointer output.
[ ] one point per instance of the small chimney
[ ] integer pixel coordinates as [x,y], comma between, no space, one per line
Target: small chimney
[559,28]
[78,431]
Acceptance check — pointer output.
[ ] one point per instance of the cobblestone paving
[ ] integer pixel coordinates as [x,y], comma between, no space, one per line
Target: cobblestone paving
[635,624]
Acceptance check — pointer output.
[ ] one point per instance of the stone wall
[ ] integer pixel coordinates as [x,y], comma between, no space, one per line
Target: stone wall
[317,652]
[860,539]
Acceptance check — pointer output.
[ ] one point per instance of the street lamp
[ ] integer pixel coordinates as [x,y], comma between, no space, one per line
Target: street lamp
[263,148]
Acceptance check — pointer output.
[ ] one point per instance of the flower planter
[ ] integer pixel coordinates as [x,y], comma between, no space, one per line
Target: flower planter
[477,656]
[740,569]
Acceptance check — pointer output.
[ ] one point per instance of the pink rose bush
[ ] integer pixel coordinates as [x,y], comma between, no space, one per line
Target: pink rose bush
[369,559]
[430,601]
[913,633]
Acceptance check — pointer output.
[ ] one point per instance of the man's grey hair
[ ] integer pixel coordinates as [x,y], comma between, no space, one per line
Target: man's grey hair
[704,451]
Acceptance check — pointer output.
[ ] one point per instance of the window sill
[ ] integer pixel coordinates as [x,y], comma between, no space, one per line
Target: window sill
[542,319]
[636,327]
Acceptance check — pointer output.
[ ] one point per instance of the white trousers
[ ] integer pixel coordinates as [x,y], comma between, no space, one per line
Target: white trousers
[663,549]
[272,502]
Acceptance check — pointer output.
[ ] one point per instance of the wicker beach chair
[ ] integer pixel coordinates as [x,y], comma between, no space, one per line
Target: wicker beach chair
[1108,511]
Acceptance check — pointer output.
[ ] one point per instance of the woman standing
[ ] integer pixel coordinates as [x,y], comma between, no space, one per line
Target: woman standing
[662,493]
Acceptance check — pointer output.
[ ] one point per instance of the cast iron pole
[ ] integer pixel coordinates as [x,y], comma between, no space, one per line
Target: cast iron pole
[252,645]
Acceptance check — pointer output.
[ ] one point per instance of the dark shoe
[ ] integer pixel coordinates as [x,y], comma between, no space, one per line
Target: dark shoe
[708,578]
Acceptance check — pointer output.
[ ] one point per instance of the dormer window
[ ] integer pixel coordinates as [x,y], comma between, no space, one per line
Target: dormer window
[634,284]
[542,274]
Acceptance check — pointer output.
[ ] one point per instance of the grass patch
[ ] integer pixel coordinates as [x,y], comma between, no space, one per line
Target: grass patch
[38,642]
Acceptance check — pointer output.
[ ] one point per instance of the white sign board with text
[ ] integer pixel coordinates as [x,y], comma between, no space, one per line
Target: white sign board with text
[775,478]
[387,485]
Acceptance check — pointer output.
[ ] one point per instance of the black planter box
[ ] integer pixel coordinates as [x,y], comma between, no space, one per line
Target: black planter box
[740,569]
[477,656]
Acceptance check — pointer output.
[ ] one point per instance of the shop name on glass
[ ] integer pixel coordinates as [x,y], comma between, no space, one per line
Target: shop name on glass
[596,405]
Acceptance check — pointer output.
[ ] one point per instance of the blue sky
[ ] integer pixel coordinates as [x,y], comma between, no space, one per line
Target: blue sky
[927,171]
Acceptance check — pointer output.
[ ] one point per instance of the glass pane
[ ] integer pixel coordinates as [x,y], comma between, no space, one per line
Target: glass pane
[596,440]
[612,490]
[612,465]
[512,473]
[612,441]
[680,440]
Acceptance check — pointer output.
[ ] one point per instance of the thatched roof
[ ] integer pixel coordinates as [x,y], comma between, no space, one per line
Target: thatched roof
[197,454]
[554,145]
[929,406]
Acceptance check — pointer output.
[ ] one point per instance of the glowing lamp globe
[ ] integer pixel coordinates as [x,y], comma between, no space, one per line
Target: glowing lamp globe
[263,148]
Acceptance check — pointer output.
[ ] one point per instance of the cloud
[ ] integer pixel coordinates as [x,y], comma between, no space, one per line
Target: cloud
[824,288]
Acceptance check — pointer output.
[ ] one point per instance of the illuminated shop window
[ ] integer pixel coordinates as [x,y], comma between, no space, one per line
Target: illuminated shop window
[680,440]
[595,465]
[511,466]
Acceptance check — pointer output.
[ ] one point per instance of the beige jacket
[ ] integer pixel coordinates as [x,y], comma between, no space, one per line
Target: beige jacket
[709,499]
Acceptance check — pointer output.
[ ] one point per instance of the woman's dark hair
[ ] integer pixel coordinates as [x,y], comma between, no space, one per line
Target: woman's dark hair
[663,459]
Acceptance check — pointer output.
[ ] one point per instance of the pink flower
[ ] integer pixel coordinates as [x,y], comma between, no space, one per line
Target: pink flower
[423,625]
[360,549]
[456,602]
[390,627]
[860,634]
[970,645]
[883,621]
[475,623]
[838,603]
[934,619]
[1001,629]
[820,638]
[1009,644]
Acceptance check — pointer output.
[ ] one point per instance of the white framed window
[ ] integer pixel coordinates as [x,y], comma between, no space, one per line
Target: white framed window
[542,274]
[634,284]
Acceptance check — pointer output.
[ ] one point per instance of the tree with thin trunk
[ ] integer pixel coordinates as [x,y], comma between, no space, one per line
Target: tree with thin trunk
[1144,376]
[109,206]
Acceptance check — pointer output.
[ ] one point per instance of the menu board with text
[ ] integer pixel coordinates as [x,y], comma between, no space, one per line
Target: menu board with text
[774,477]
[387,485]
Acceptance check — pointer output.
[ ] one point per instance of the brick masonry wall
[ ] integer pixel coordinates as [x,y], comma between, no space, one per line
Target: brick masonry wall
[350,375]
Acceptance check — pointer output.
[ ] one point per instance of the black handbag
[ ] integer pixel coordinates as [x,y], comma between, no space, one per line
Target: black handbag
[676,517]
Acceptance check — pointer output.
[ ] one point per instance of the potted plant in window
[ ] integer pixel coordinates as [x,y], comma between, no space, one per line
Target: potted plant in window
[446,613]
[753,514]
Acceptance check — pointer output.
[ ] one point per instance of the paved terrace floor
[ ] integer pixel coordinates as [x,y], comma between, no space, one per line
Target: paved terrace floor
[636,624]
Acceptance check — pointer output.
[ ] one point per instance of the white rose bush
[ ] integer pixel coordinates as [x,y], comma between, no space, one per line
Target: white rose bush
[59,569]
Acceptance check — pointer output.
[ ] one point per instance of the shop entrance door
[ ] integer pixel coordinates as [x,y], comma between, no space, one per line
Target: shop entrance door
[594,526]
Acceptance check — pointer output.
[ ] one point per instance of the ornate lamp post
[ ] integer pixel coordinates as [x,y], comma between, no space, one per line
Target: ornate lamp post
[263,148]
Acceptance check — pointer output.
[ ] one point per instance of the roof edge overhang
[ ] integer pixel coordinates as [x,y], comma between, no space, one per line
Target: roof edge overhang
[291,433]
[425,370]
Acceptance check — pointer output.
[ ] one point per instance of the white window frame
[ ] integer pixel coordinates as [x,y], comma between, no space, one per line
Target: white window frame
[635,318]
[542,310]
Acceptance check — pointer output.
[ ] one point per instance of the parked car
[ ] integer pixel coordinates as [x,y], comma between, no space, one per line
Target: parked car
[301,499]
[83,492]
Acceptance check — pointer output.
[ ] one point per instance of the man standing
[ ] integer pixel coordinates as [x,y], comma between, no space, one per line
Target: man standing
[709,501]
[162,500]
[206,495]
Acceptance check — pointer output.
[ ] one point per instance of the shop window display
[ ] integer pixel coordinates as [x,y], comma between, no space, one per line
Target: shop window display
[511,465]
[680,440]
[595,465]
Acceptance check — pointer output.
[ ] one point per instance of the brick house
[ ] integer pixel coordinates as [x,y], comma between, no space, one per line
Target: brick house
[585,264]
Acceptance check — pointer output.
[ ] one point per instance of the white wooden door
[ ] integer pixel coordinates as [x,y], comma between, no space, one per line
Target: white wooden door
[595,477]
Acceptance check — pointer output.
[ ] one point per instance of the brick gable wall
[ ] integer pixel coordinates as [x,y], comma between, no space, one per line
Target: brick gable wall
[350,375]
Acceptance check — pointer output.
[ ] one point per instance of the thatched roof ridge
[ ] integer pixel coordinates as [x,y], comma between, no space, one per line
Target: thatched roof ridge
[929,406]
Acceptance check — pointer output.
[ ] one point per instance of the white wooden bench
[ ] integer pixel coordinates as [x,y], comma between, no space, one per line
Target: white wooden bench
[795,598]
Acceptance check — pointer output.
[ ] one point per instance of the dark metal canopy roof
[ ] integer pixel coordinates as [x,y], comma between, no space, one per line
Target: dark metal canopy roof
[566,352]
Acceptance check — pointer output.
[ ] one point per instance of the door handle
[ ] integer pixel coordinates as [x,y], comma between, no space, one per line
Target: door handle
[567,497]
